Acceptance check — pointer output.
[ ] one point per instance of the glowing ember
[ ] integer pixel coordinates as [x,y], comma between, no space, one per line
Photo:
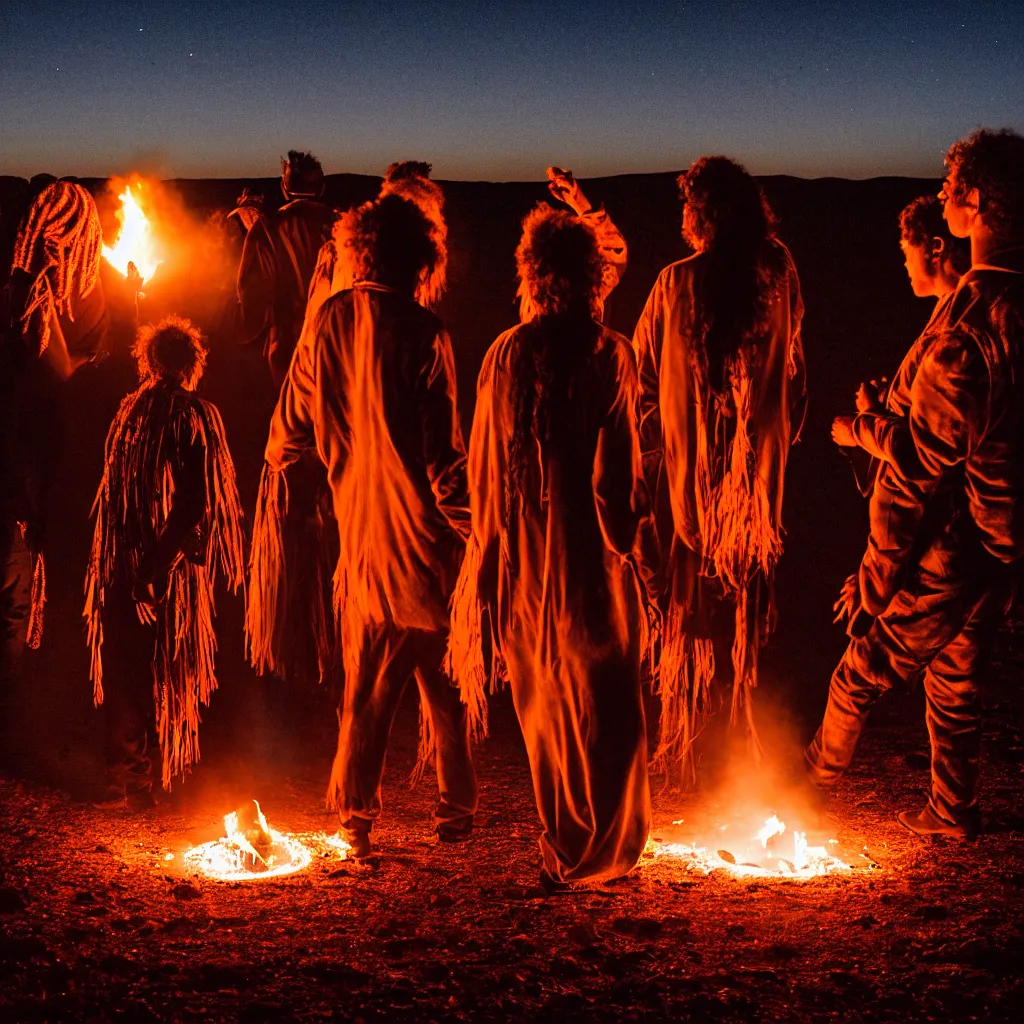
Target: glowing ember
[253,851]
[134,239]
[797,861]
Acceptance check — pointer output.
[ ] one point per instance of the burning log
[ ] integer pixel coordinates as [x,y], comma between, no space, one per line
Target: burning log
[134,252]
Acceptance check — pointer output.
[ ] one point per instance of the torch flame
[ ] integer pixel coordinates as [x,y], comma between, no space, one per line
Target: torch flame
[134,242]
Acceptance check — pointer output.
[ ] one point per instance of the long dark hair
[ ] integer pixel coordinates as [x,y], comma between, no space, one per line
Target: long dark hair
[732,224]
[560,266]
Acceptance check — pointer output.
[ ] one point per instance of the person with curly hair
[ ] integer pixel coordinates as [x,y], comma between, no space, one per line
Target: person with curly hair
[556,572]
[167,523]
[947,516]
[722,400]
[53,320]
[372,390]
[935,260]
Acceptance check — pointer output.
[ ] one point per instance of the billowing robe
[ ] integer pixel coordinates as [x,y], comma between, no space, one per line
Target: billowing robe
[372,388]
[947,528]
[721,458]
[167,507]
[555,577]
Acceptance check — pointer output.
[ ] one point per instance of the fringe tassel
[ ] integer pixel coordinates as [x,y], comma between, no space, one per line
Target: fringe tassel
[426,752]
[34,635]
[464,659]
[685,677]
[267,573]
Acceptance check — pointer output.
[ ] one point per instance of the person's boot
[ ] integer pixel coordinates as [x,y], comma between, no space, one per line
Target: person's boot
[927,822]
[358,840]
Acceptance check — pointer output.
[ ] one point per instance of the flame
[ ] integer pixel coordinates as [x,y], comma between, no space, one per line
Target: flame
[806,862]
[260,852]
[134,239]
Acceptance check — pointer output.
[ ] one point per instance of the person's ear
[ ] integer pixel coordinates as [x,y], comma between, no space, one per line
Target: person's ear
[938,249]
[973,199]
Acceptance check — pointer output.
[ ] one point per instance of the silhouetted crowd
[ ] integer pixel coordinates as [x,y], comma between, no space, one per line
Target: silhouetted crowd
[615,519]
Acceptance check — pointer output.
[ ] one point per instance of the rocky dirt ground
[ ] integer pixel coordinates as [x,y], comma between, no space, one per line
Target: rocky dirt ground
[100,923]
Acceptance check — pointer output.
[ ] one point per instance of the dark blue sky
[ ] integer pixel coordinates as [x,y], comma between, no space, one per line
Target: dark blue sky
[499,90]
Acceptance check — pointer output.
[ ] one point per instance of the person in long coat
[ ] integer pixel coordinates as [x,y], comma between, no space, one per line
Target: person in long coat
[722,399]
[372,390]
[552,573]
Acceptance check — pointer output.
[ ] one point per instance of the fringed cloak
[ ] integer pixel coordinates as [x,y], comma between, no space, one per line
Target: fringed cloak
[166,451]
[721,458]
[551,578]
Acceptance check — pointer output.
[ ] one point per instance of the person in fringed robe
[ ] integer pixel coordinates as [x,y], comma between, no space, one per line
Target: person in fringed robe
[935,261]
[278,259]
[53,320]
[372,389]
[946,516]
[553,582]
[722,399]
[167,522]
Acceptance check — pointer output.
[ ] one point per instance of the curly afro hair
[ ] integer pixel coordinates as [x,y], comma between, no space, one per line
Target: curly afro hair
[173,349]
[559,264]
[992,162]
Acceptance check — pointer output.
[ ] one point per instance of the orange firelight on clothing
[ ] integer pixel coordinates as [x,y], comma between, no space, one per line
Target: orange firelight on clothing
[135,242]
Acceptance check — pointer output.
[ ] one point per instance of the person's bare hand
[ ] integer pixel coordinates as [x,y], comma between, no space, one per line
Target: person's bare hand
[566,189]
[869,396]
[842,432]
[849,598]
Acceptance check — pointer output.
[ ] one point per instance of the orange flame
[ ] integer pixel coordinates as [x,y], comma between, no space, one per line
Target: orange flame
[260,853]
[135,243]
[805,861]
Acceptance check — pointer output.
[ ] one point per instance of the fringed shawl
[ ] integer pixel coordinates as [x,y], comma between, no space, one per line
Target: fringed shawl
[152,425]
[724,456]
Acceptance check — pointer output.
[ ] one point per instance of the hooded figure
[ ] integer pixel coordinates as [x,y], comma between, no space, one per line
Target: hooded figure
[722,399]
[372,390]
[278,259]
[551,582]
[167,521]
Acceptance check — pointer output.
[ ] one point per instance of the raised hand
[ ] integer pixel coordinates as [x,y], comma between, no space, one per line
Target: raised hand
[842,432]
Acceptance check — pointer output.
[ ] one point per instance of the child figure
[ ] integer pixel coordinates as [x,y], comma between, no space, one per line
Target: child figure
[167,519]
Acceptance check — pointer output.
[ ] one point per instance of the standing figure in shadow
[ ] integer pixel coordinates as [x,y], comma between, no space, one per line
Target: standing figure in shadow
[53,320]
[167,521]
[552,584]
[722,399]
[279,257]
[371,390]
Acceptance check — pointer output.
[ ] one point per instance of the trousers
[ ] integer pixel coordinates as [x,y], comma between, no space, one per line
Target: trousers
[378,667]
[941,629]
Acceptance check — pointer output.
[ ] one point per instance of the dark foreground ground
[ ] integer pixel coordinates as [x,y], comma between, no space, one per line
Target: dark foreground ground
[97,924]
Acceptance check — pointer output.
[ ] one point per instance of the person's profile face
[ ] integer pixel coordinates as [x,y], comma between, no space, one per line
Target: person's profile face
[957,211]
[920,268]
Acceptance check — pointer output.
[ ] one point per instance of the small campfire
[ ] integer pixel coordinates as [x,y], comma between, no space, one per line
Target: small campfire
[250,850]
[772,852]
[134,253]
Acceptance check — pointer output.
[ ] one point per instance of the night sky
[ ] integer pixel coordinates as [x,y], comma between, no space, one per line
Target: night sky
[498,91]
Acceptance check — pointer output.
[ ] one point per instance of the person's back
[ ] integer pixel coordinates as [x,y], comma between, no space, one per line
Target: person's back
[380,358]
[575,520]
[278,260]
